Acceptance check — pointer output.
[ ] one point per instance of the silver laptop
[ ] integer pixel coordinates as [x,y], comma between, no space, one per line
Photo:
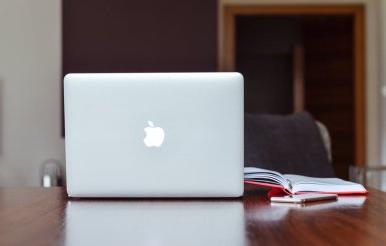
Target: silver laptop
[154,134]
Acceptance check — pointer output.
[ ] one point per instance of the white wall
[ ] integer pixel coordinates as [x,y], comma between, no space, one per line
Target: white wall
[383,82]
[30,89]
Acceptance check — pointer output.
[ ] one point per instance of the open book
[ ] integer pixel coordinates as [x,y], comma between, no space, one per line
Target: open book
[295,184]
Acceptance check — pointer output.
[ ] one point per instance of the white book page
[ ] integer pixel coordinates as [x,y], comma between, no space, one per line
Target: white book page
[332,185]
[266,176]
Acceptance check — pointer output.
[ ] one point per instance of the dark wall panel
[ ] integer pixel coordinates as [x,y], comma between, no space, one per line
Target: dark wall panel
[139,36]
[329,87]
[264,55]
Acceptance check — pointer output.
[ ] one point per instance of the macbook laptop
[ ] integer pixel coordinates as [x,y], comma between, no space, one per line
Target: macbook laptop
[154,134]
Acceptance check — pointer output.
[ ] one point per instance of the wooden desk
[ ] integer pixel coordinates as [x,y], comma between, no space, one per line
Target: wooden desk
[38,216]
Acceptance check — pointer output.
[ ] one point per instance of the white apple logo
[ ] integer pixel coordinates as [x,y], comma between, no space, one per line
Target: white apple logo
[154,135]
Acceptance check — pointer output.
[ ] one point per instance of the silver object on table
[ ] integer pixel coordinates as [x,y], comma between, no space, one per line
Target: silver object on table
[50,173]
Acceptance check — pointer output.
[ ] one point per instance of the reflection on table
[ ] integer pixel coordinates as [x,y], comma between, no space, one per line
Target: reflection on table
[279,211]
[154,223]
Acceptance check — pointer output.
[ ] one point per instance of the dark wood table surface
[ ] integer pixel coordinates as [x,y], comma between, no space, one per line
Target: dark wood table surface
[45,216]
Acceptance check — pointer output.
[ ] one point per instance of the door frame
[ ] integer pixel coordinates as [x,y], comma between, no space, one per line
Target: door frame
[228,51]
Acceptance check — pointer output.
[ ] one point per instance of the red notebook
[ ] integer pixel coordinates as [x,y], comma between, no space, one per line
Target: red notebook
[297,184]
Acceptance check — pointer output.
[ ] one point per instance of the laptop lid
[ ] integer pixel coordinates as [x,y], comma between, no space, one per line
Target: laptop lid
[154,134]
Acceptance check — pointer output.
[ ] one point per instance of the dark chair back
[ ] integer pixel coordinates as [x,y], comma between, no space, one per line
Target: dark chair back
[288,144]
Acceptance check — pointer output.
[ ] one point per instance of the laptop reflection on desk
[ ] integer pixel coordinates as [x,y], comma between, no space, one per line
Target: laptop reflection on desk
[154,223]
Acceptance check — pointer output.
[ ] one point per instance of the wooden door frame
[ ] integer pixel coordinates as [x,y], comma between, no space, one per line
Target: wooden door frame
[228,51]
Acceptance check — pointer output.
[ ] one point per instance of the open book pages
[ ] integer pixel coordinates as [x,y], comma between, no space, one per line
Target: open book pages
[294,184]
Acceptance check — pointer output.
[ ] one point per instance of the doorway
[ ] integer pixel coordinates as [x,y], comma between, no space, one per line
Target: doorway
[298,58]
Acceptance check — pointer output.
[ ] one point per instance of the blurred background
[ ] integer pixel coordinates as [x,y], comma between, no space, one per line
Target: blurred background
[327,57]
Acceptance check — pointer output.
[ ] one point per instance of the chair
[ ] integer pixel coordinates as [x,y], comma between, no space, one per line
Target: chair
[293,144]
